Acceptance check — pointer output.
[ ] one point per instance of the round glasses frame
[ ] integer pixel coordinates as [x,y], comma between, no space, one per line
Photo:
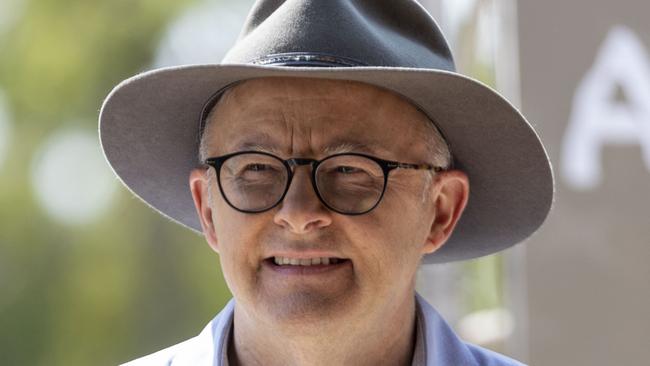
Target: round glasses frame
[386,166]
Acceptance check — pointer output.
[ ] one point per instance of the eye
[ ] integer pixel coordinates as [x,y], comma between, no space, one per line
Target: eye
[347,169]
[257,167]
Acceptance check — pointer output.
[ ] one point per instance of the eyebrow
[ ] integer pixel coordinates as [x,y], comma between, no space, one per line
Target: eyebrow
[258,141]
[343,146]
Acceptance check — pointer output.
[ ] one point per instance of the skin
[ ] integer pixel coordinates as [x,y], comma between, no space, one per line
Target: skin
[364,312]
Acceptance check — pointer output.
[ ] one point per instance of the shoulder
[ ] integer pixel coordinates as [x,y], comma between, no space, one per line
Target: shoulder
[485,357]
[202,350]
[444,347]
[163,357]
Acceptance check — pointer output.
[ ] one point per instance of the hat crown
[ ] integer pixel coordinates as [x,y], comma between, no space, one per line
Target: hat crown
[389,33]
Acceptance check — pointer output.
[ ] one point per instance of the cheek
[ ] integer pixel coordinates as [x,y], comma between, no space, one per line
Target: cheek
[416,211]
[233,229]
[400,227]
[386,247]
[239,249]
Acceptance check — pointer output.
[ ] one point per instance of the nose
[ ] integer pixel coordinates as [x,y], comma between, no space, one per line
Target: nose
[301,211]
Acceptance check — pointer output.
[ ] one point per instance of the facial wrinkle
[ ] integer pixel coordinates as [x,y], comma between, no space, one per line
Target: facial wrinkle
[288,125]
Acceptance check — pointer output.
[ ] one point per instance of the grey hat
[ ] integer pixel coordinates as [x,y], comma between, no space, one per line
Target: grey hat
[149,124]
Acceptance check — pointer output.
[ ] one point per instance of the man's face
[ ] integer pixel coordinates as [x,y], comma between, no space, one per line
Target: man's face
[378,252]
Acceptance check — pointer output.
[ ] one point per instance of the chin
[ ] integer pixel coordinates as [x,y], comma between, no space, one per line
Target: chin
[307,306]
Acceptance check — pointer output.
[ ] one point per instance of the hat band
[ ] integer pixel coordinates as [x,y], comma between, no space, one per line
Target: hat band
[306,59]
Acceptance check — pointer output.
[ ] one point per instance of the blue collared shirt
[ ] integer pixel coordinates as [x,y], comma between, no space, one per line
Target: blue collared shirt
[436,344]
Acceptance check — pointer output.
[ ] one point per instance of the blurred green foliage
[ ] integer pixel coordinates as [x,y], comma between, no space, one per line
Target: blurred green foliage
[129,283]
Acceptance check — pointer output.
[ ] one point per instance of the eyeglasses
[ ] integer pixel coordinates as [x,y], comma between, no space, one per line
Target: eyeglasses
[348,183]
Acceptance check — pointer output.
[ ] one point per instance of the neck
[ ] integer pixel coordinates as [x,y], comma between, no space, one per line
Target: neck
[386,338]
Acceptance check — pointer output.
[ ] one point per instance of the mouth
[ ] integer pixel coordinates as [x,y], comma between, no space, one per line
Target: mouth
[305,266]
[286,261]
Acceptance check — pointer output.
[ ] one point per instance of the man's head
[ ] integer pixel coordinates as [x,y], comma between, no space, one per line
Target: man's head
[379,251]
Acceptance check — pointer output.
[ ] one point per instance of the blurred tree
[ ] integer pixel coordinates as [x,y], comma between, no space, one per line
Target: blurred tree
[129,282]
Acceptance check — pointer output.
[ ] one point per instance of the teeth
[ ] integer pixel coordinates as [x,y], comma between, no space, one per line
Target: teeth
[304,262]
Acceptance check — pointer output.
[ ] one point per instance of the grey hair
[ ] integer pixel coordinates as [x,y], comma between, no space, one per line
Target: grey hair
[205,137]
[208,125]
[439,152]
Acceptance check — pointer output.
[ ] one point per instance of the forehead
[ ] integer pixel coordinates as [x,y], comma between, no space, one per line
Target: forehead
[287,113]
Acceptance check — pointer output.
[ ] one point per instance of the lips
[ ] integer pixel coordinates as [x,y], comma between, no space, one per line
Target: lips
[287,261]
[306,265]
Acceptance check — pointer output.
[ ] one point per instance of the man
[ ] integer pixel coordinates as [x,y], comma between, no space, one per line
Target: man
[336,148]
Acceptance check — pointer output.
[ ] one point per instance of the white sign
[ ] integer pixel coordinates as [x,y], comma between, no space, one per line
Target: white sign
[611,106]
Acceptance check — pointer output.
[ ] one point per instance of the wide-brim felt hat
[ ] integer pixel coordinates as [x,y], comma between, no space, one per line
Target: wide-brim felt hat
[150,123]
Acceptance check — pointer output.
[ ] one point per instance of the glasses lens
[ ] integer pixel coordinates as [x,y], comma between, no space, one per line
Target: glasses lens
[350,183]
[253,182]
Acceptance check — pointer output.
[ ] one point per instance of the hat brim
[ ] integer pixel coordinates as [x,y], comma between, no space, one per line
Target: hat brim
[149,134]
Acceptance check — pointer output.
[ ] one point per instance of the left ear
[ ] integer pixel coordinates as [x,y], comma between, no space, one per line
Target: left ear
[199,185]
[450,192]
